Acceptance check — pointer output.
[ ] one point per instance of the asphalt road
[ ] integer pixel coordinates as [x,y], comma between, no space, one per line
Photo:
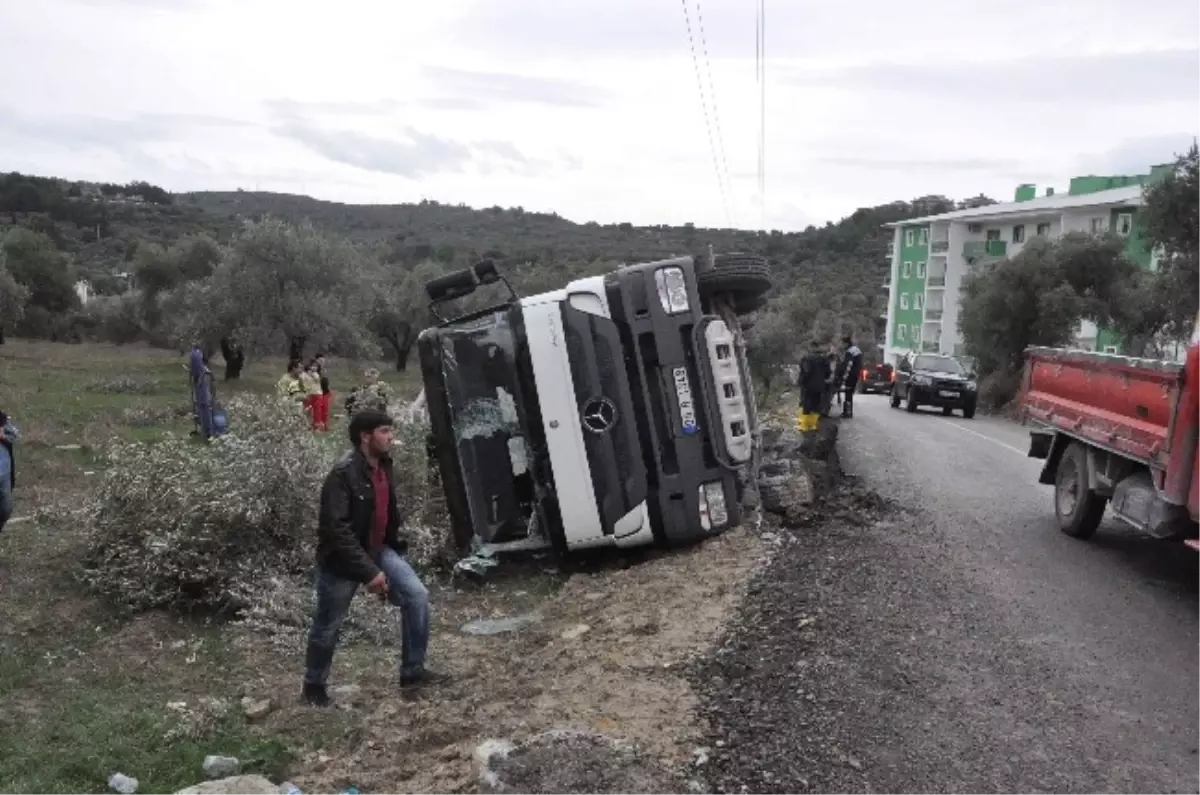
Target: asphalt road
[960,643]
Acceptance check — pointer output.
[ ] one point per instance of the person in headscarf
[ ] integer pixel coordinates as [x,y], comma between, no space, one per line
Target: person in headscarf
[8,467]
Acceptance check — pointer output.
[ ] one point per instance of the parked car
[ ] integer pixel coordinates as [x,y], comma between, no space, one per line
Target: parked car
[879,378]
[928,379]
[616,411]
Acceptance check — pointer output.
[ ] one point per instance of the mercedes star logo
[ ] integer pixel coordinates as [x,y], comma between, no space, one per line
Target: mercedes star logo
[599,414]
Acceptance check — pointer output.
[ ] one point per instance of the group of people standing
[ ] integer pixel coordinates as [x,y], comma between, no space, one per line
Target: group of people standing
[309,385]
[823,376]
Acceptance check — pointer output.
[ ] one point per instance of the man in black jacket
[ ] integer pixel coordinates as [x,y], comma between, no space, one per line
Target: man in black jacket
[814,379]
[359,543]
[852,361]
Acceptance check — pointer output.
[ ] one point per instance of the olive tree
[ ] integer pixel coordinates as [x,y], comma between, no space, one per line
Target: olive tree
[282,286]
[12,301]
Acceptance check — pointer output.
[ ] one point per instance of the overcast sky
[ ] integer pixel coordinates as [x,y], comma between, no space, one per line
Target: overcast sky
[591,108]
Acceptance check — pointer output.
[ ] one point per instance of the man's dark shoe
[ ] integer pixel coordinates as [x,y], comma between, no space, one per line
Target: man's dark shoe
[315,696]
[423,677]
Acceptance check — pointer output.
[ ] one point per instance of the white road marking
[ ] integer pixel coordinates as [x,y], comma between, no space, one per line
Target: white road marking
[1022,453]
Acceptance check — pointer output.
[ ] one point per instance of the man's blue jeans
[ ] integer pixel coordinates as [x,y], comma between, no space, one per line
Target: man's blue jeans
[334,594]
[6,500]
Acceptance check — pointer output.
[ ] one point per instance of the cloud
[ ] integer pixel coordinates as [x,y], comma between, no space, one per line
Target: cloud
[982,164]
[337,107]
[1131,77]
[415,154]
[119,134]
[481,88]
[1135,155]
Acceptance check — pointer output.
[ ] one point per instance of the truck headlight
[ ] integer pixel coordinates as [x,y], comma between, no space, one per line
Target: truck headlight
[672,290]
[922,380]
[971,386]
[713,512]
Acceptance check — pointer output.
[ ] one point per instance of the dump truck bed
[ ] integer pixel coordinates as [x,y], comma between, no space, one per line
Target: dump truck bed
[1118,403]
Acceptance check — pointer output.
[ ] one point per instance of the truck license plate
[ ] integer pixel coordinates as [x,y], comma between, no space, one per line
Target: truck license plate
[687,408]
[947,394]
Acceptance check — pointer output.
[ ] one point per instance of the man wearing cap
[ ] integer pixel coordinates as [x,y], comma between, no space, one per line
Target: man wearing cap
[359,543]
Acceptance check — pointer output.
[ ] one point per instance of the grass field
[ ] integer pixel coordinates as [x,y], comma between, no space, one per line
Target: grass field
[86,690]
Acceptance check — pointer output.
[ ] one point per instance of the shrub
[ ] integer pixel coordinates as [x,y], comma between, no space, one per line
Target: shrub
[190,525]
[230,526]
[998,390]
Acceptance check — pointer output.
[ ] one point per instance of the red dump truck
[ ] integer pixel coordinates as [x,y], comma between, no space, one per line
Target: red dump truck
[1116,431]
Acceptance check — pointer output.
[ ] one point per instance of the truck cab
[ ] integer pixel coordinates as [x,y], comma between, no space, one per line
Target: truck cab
[615,411]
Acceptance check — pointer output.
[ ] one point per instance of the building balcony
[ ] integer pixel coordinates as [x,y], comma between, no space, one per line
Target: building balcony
[891,252]
[939,246]
[935,280]
[933,314]
[984,249]
[930,347]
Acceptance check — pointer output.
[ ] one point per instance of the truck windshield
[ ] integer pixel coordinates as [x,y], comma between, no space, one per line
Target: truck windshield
[479,365]
[938,364]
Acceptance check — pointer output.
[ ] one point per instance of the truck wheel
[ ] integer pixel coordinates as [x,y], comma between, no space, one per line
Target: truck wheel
[969,412]
[1079,509]
[745,279]
[910,402]
[895,401]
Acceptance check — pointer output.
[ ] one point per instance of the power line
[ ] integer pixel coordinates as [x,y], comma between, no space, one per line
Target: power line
[712,93]
[761,76]
[687,18]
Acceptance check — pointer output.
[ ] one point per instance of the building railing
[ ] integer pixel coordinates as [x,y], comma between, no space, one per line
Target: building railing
[930,347]
[939,246]
[982,249]
[933,314]
[935,280]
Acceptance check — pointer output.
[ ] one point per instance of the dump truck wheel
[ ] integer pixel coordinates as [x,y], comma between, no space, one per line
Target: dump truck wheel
[1078,508]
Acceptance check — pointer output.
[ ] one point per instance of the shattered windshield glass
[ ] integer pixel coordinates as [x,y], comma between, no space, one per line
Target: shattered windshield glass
[479,364]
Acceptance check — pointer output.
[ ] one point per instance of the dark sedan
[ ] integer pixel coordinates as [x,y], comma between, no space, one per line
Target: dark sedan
[933,380]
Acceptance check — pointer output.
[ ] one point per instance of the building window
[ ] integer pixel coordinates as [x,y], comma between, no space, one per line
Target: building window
[1043,230]
[974,229]
[918,301]
[921,269]
[908,237]
[906,270]
[923,237]
[904,300]
[1098,226]
[993,234]
[1110,349]
[1019,233]
[1124,224]
[901,332]
[916,332]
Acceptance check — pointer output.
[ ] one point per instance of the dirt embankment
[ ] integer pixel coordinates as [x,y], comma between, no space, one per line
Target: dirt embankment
[601,661]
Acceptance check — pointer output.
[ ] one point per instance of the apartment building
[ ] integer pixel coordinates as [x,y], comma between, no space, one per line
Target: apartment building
[929,256]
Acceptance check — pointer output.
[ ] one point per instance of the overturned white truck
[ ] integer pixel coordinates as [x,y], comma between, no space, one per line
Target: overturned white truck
[615,411]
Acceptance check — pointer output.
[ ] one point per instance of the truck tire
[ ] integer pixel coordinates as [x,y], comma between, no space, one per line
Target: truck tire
[969,412]
[745,279]
[1078,508]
